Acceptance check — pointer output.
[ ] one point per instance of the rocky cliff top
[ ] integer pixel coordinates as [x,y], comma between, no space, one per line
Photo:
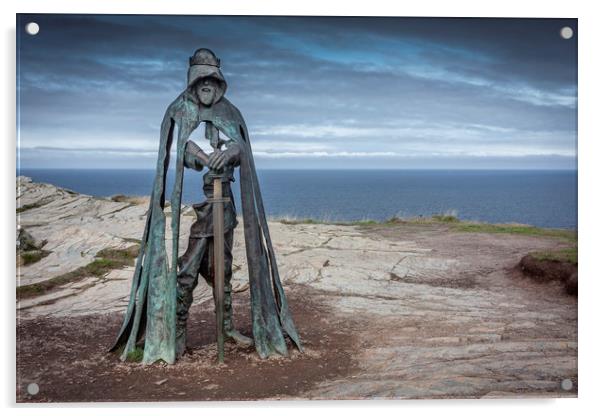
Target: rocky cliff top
[427,311]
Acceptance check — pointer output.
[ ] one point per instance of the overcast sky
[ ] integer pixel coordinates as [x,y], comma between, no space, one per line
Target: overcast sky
[315,92]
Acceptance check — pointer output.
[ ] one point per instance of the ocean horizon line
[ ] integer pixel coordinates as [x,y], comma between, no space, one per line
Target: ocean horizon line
[544,198]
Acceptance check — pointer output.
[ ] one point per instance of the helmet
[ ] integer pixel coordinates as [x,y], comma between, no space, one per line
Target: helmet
[205,64]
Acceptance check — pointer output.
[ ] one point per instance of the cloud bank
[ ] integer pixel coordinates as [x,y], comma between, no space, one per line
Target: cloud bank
[316,92]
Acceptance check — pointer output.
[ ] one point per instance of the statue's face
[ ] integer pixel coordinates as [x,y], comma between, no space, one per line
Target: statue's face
[206,90]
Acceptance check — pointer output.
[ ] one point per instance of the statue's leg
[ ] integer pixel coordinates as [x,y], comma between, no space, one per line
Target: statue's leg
[188,273]
[207,271]
[229,329]
[206,268]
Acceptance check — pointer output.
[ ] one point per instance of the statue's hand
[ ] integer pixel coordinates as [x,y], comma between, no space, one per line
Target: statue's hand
[194,157]
[221,158]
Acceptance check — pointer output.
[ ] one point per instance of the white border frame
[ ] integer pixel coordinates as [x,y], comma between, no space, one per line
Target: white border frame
[589,204]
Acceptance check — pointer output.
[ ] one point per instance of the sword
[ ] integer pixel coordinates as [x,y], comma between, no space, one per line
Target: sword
[218,200]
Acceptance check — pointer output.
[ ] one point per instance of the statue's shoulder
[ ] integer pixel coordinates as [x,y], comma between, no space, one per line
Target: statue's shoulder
[183,107]
[226,109]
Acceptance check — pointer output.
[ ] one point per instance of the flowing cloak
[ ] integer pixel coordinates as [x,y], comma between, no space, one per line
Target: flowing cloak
[151,311]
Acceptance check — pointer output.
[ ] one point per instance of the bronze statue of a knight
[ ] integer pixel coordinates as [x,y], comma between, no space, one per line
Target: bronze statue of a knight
[162,286]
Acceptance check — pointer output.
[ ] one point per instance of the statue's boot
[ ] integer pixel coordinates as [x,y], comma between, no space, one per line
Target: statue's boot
[229,331]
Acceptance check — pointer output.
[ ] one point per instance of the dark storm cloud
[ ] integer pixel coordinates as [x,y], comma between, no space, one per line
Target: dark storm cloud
[316,92]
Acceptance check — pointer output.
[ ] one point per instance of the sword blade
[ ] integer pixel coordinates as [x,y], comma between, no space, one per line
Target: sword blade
[218,258]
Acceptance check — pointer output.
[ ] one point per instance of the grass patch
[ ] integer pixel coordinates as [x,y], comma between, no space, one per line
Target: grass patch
[27,207]
[567,255]
[134,200]
[124,255]
[397,220]
[447,218]
[33,256]
[297,221]
[132,240]
[360,222]
[119,198]
[136,355]
[106,260]
[522,229]
[100,266]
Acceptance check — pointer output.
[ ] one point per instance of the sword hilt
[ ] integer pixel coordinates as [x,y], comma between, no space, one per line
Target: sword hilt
[222,199]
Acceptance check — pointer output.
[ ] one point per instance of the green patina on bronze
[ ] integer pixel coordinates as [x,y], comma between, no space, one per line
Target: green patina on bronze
[151,312]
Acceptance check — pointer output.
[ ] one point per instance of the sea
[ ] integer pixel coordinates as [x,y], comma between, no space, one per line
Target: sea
[543,198]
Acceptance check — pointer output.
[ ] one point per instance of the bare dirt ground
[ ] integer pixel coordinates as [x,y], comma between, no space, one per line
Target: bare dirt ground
[411,311]
[68,359]
[480,331]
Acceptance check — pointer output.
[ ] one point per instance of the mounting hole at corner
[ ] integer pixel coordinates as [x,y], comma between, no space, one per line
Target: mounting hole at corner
[566,32]
[33,389]
[32,28]
[567,384]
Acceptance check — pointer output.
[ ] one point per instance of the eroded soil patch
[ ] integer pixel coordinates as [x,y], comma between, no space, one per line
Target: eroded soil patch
[544,270]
